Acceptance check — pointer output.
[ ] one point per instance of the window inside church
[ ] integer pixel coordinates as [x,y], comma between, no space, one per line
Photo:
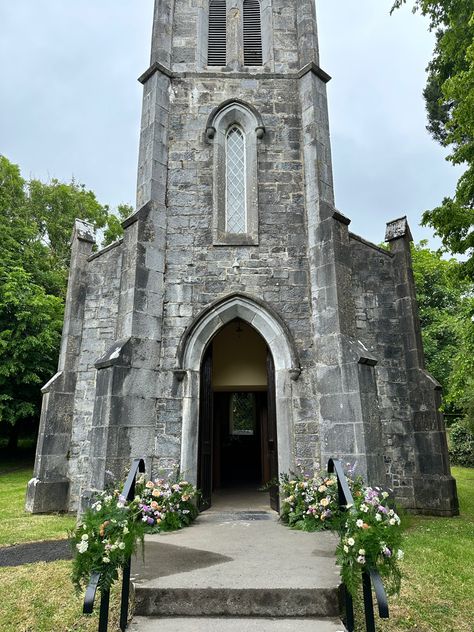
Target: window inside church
[236,190]
[217,42]
[242,414]
[253,54]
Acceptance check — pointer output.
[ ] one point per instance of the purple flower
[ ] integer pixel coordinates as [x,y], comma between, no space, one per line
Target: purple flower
[382,509]
[150,521]
[387,552]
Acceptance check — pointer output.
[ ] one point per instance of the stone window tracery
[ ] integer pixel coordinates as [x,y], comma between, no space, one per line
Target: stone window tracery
[235,128]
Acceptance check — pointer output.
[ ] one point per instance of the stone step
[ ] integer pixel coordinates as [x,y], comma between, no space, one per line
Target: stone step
[234,566]
[144,624]
[232,602]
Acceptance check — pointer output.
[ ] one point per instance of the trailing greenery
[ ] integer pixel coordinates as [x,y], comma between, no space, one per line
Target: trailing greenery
[370,529]
[37,219]
[449,96]
[105,538]
[461,448]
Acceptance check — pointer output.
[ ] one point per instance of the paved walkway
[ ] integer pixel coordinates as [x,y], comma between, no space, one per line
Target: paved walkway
[237,568]
[44,551]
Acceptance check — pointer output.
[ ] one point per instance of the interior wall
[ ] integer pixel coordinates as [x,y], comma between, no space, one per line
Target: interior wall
[239,359]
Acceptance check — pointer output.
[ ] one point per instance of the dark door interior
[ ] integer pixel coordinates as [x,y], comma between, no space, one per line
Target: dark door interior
[237,437]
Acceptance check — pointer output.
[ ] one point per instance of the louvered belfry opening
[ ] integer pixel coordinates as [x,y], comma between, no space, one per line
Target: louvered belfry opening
[253,55]
[217,43]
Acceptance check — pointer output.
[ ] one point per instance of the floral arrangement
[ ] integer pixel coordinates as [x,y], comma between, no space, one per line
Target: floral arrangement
[166,505]
[312,503]
[104,539]
[108,533]
[370,529]
[371,538]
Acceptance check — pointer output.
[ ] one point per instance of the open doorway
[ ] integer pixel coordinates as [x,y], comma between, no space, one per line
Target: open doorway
[237,425]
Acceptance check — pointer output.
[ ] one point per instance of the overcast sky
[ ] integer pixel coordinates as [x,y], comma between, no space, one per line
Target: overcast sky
[70,103]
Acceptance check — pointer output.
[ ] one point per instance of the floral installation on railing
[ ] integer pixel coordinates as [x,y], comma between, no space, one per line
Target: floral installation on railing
[166,504]
[370,530]
[371,538]
[105,537]
[109,532]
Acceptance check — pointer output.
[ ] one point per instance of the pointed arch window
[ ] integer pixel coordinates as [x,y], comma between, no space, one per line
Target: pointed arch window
[217,40]
[236,182]
[234,128]
[253,49]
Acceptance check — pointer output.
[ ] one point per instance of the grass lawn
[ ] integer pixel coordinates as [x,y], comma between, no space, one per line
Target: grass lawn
[438,571]
[437,590]
[15,524]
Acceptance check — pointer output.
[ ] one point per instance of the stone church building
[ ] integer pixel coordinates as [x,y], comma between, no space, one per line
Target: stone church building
[239,328]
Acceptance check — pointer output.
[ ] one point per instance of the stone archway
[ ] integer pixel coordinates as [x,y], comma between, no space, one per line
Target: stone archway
[191,352]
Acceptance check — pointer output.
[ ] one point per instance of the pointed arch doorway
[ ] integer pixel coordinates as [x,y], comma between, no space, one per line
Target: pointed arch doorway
[237,442]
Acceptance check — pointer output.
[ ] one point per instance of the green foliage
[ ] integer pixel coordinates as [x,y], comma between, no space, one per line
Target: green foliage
[37,219]
[30,333]
[449,96]
[462,445]
[105,538]
[446,307]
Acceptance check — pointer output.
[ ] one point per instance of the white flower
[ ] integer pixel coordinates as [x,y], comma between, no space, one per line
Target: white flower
[85,537]
[392,521]
[385,495]
[125,530]
[98,507]
[391,512]
[361,559]
[364,508]
[121,546]
[361,551]
[346,549]
[106,560]
[82,546]
[351,541]
[400,554]
[360,523]
[378,517]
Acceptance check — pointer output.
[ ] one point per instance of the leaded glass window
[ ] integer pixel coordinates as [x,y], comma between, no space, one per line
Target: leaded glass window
[242,414]
[236,186]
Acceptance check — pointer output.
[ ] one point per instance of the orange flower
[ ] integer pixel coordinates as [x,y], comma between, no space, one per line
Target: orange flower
[102,528]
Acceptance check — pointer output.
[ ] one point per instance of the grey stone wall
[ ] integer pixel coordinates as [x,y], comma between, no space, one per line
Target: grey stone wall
[378,327]
[197,273]
[99,332]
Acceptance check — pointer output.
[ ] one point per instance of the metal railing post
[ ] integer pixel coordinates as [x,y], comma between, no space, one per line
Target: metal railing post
[104,611]
[125,595]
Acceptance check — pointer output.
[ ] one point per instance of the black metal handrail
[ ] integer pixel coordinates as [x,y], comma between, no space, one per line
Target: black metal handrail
[128,493]
[371,577]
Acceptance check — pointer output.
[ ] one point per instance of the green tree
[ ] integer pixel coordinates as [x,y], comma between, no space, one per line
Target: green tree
[446,307]
[37,219]
[449,96]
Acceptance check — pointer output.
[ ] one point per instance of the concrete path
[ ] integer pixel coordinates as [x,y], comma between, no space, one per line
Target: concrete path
[236,563]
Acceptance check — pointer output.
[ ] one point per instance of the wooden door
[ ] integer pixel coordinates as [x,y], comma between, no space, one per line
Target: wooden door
[270,431]
[206,406]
